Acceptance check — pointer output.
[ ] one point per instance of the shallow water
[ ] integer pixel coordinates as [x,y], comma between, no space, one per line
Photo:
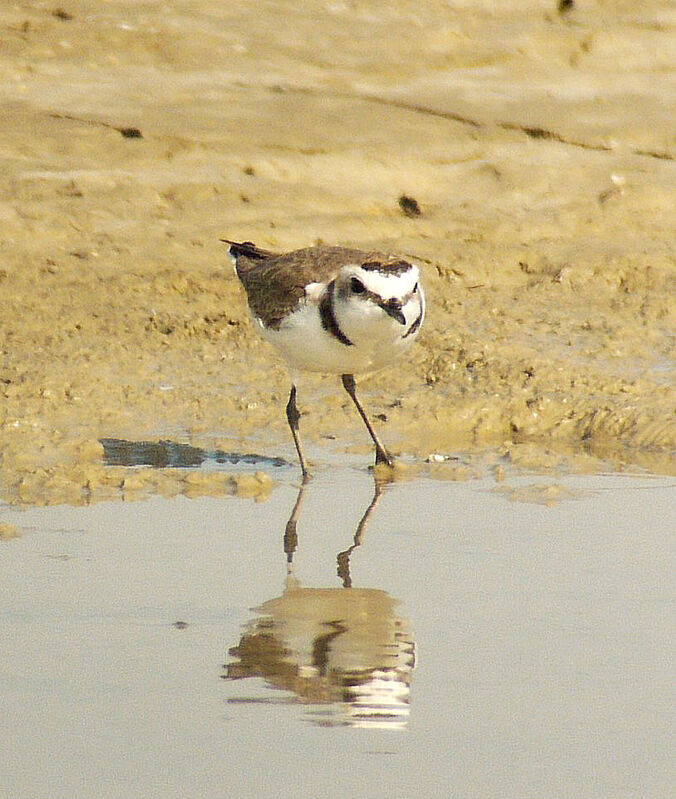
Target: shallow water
[498,639]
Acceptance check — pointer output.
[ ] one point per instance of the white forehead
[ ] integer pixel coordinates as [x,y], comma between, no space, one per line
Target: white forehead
[387,285]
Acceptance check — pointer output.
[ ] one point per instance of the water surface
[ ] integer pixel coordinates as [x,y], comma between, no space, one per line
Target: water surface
[509,639]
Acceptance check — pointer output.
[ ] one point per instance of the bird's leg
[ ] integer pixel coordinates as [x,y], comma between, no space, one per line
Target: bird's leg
[293,418]
[382,456]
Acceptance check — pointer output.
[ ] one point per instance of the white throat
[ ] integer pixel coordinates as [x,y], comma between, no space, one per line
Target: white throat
[361,316]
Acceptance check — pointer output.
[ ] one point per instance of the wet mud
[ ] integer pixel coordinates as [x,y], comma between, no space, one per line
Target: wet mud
[524,156]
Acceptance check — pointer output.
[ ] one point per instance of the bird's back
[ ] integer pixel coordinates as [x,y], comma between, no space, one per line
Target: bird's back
[275,284]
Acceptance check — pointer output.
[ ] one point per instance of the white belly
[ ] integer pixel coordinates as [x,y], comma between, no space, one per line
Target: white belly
[306,346]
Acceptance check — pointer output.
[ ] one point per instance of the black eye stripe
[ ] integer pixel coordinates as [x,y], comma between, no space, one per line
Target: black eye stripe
[357,286]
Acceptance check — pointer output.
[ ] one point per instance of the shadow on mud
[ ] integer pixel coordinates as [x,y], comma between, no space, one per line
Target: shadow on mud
[163,454]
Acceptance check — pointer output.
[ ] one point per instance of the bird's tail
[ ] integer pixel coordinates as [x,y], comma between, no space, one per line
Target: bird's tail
[247,249]
[245,255]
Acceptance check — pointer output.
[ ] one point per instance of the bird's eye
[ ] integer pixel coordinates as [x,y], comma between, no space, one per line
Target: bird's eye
[357,286]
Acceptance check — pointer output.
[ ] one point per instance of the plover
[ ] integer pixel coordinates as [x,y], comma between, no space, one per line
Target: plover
[334,310]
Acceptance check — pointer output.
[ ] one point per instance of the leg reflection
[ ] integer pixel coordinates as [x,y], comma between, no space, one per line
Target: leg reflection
[346,652]
[343,558]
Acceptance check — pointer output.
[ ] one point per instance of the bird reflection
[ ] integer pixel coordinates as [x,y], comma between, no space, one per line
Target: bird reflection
[344,653]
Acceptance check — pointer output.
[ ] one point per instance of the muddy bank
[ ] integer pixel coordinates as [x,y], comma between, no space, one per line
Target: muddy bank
[539,147]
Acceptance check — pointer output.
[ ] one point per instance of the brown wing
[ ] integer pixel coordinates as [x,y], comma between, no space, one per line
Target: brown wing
[275,284]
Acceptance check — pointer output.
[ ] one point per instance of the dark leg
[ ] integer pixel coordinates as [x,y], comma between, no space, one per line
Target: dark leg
[343,558]
[290,534]
[293,418]
[350,386]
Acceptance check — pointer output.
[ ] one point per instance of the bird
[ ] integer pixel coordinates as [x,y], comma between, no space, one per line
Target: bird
[334,310]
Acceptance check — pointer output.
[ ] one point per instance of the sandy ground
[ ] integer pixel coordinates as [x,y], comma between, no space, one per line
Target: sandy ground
[539,146]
